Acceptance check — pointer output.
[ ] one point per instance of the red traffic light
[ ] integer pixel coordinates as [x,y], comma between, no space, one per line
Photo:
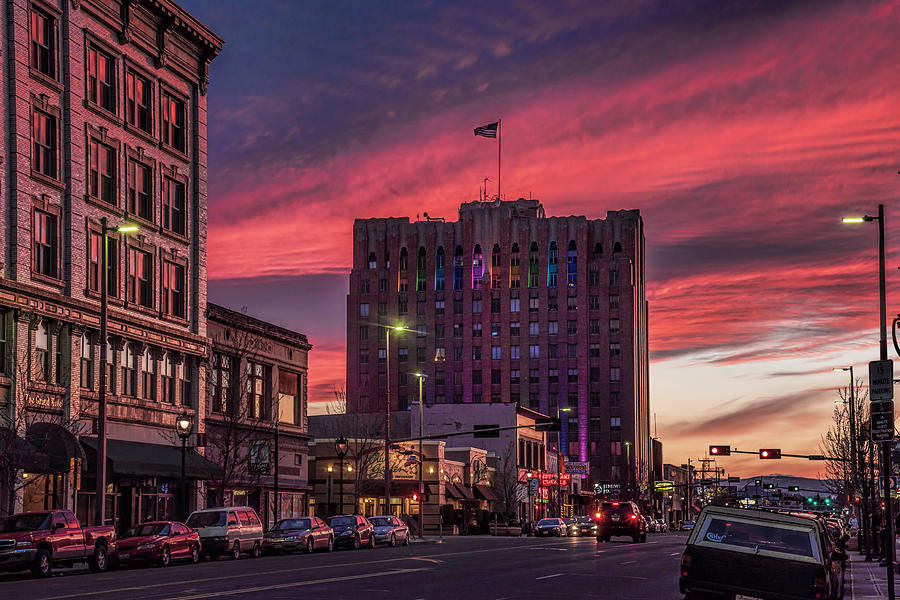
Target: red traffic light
[720,450]
[770,453]
[415,497]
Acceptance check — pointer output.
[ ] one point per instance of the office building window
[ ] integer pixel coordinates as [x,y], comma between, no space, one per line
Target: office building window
[534,351]
[46,244]
[495,352]
[138,102]
[140,277]
[44,147]
[514,328]
[514,352]
[173,122]
[552,266]
[553,327]
[101,79]
[43,42]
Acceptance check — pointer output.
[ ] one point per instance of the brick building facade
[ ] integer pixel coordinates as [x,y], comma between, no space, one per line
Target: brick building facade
[509,305]
[104,116]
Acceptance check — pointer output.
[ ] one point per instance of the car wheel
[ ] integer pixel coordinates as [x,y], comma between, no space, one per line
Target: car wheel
[42,565]
[236,550]
[372,540]
[635,539]
[330,544]
[255,552]
[195,554]
[393,541]
[310,545]
[356,542]
[100,560]
[165,557]
[406,539]
[643,538]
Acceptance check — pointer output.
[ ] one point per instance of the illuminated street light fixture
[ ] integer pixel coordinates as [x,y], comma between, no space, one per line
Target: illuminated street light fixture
[100,498]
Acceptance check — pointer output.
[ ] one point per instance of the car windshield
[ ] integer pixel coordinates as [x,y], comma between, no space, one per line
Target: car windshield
[775,537]
[584,520]
[148,529]
[214,518]
[381,521]
[293,524]
[34,522]
[548,522]
[343,522]
[617,509]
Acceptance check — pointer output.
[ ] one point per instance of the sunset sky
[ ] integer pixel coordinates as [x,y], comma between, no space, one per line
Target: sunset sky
[743,131]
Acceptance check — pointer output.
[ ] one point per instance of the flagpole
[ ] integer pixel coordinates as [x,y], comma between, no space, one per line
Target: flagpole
[499,140]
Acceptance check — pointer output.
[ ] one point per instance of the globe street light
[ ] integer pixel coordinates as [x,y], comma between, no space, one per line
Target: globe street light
[100,508]
[341,447]
[183,426]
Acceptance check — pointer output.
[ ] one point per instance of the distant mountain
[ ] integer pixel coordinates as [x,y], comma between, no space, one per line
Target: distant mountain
[784,481]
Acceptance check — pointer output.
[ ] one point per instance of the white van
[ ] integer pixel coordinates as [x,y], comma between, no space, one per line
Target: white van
[228,530]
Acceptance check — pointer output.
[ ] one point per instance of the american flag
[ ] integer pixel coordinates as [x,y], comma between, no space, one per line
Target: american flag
[487,130]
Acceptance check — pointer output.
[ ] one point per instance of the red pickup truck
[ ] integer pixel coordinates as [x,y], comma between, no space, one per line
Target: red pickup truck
[39,540]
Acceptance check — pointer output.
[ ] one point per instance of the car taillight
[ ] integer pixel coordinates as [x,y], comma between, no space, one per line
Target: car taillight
[819,587]
[634,516]
[685,565]
[598,515]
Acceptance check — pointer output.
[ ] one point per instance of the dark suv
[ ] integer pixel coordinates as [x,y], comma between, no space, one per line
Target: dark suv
[621,518]
[352,531]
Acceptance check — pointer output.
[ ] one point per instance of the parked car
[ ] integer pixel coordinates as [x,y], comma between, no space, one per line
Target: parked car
[231,530]
[586,526]
[390,530]
[621,519]
[352,531]
[40,540]
[651,524]
[158,542]
[760,554]
[571,526]
[306,533]
[555,527]
[662,526]
[687,526]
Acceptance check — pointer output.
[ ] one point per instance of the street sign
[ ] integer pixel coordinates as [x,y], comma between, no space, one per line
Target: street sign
[882,421]
[577,468]
[663,486]
[533,485]
[881,380]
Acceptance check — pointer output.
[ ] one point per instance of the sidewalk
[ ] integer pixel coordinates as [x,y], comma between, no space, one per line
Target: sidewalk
[866,580]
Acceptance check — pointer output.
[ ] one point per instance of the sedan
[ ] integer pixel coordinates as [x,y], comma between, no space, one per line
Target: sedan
[586,526]
[556,527]
[352,531]
[390,530]
[307,533]
[159,542]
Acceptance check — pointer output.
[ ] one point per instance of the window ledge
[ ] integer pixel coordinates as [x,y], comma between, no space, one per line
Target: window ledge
[140,308]
[144,223]
[48,180]
[172,150]
[114,300]
[114,209]
[174,319]
[109,116]
[174,235]
[45,79]
[148,136]
[47,279]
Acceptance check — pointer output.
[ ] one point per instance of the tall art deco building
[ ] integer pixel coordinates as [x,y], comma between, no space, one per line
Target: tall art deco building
[509,305]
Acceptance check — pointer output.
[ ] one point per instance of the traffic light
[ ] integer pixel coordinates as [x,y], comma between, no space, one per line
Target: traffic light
[769,486]
[794,488]
[414,497]
[828,501]
[720,450]
[758,482]
[770,453]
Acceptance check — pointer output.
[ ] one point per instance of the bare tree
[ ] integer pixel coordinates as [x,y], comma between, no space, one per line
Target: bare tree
[839,476]
[241,412]
[338,406]
[506,481]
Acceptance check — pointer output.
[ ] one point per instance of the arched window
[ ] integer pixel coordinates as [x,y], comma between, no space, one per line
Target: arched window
[617,248]
[439,269]
[571,264]
[598,248]
[533,265]
[404,270]
[477,267]
[458,268]
[495,266]
[372,262]
[514,267]
[552,266]
[420,270]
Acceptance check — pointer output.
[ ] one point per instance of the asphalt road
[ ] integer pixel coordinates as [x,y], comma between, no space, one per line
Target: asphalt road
[470,568]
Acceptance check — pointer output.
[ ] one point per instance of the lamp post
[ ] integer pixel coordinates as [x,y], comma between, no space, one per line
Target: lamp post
[421,377]
[340,448]
[530,513]
[854,452]
[886,446]
[387,414]
[100,508]
[628,469]
[184,424]
[559,456]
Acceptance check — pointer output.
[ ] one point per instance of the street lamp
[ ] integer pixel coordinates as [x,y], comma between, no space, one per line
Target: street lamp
[886,446]
[559,455]
[628,469]
[183,426]
[421,377]
[387,412]
[341,448]
[100,508]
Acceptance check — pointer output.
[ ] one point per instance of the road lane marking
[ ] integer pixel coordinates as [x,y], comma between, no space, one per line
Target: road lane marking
[675,554]
[551,576]
[281,586]
[628,562]
[426,559]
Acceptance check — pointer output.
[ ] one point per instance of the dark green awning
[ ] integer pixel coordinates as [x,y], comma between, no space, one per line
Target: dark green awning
[140,459]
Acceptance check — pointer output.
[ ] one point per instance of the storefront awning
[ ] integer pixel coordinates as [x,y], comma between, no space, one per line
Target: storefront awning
[463,492]
[54,445]
[486,492]
[140,459]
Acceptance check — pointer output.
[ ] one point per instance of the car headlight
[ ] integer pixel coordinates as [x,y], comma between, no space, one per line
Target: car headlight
[25,544]
[145,547]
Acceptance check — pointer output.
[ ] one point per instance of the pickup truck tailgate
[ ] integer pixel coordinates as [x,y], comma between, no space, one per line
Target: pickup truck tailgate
[749,574]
